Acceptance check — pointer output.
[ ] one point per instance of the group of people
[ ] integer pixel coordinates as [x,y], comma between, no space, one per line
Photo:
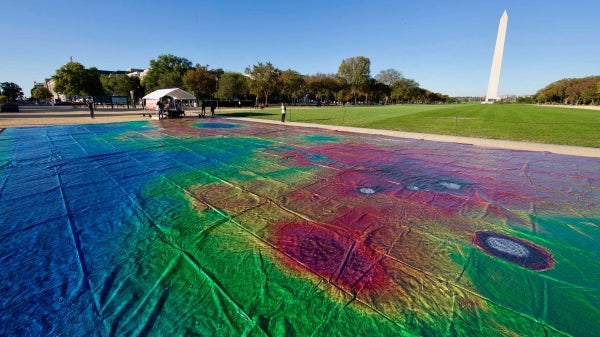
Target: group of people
[160,107]
[213,106]
[172,106]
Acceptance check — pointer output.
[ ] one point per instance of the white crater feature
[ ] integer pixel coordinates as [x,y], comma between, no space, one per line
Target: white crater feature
[366,190]
[450,186]
[507,246]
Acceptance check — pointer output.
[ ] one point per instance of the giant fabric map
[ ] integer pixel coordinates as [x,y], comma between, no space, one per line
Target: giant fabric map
[234,228]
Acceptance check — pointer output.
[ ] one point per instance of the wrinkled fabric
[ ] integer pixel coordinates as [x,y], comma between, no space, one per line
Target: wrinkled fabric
[231,228]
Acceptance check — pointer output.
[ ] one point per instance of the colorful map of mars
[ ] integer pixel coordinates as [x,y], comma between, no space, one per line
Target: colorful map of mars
[233,228]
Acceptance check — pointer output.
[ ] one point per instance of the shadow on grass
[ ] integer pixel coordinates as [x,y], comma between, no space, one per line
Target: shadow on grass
[246,114]
[313,119]
[272,114]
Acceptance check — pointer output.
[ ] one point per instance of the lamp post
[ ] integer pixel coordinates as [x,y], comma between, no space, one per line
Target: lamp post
[217,92]
[132,93]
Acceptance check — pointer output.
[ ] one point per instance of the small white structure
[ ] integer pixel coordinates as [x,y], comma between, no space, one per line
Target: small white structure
[492,91]
[174,93]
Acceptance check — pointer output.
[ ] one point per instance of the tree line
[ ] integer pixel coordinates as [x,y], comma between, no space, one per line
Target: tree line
[263,81]
[351,83]
[584,90]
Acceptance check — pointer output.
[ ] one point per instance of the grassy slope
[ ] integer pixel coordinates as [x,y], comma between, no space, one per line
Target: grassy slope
[550,125]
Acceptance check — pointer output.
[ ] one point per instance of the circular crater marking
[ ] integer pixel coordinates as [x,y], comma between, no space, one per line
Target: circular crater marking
[514,250]
[216,125]
[367,190]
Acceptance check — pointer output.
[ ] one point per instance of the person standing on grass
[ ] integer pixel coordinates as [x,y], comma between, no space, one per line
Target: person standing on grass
[91,107]
[283,112]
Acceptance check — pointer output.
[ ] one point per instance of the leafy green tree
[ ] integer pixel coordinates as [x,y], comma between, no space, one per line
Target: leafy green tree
[343,95]
[70,79]
[106,82]
[166,71]
[217,72]
[121,85]
[386,79]
[405,90]
[525,100]
[356,71]
[265,79]
[323,86]
[233,85]
[11,90]
[73,79]
[377,91]
[93,86]
[200,81]
[41,94]
[292,84]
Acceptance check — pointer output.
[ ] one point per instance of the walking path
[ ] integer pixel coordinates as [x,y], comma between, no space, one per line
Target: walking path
[504,144]
[60,115]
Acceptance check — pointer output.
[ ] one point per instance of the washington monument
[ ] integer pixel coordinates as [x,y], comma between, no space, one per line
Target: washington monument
[492,91]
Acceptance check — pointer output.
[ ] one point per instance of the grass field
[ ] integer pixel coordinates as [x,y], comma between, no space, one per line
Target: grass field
[551,125]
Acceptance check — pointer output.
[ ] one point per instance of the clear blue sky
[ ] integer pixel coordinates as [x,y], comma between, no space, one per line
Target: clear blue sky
[446,46]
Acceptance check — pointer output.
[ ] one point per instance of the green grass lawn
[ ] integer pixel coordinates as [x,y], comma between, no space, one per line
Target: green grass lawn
[551,125]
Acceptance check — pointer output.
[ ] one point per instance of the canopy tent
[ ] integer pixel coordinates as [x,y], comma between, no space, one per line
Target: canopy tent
[175,93]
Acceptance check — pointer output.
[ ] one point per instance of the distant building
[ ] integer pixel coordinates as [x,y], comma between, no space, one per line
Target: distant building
[137,72]
[129,72]
[49,82]
[112,72]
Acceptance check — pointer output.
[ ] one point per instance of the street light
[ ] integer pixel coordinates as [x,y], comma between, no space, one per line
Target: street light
[131,92]
[217,92]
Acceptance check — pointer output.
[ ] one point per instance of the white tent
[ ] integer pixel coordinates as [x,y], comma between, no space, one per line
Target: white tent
[175,93]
